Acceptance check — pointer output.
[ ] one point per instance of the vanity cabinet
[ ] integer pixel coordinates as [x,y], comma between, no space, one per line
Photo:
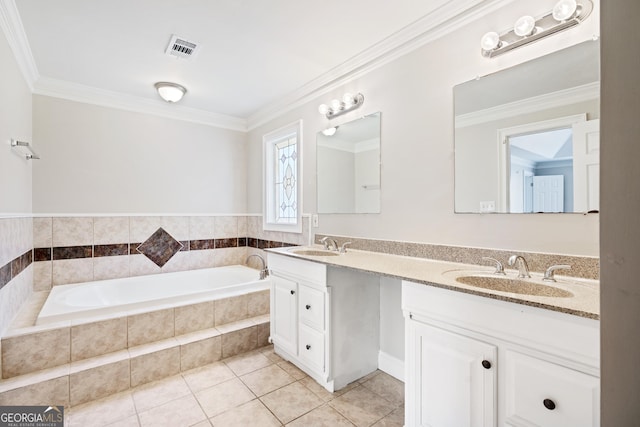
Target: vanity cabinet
[324,320]
[475,361]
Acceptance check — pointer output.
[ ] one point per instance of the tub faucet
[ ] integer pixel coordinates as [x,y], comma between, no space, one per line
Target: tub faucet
[328,240]
[523,267]
[264,272]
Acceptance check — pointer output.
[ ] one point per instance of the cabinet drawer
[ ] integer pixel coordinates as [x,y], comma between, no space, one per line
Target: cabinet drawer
[542,393]
[311,307]
[311,347]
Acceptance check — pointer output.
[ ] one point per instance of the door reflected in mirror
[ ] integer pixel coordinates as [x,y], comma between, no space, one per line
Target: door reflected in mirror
[527,138]
[348,167]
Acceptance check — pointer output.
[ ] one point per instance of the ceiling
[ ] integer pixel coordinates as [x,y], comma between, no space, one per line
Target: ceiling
[253,53]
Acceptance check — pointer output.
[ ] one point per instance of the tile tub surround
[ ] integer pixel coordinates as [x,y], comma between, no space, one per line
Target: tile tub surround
[78,249]
[584,267]
[30,349]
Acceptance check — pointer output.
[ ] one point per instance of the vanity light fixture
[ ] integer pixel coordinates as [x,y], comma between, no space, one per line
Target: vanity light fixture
[336,107]
[170,92]
[527,29]
[330,131]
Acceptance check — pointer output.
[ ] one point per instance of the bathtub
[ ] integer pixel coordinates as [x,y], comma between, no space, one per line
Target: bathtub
[118,296]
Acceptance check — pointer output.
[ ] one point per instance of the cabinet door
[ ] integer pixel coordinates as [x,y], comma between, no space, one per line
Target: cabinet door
[284,322]
[311,348]
[311,307]
[452,380]
[541,393]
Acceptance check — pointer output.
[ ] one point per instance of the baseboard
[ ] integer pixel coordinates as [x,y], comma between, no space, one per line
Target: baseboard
[391,365]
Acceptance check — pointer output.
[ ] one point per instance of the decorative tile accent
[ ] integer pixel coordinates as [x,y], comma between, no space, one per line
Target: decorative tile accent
[42,254]
[111,250]
[198,245]
[160,247]
[226,243]
[5,275]
[72,252]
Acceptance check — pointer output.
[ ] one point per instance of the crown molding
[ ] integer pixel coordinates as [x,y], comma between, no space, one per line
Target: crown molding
[453,15]
[530,105]
[106,98]
[11,25]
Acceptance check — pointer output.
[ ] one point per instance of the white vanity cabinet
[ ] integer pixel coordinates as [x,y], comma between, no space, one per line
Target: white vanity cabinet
[324,320]
[475,361]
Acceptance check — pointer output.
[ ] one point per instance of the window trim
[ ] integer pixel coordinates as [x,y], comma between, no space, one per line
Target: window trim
[268,142]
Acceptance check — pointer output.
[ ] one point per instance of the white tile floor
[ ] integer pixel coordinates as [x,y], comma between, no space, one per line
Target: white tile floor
[254,389]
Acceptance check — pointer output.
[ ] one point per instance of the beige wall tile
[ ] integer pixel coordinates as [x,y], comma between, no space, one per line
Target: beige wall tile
[229,310]
[234,343]
[205,258]
[254,227]
[32,352]
[42,275]
[150,327]
[200,353]
[155,366]
[243,226]
[111,267]
[98,382]
[110,230]
[42,232]
[181,261]
[51,392]
[97,338]
[258,303]
[194,317]
[264,331]
[72,231]
[201,227]
[142,227]
[177,226]
[230,256]
[140,265]
[226,227]
[66,271]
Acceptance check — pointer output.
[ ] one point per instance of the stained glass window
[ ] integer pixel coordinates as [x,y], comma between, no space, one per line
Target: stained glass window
[286,180]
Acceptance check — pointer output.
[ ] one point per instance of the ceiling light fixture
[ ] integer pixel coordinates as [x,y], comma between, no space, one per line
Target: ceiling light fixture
[330,131]
[527,29]
[170,92]
[336,107]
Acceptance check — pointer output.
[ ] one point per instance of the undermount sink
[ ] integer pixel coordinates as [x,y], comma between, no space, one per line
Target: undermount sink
[314,252]
[513,285]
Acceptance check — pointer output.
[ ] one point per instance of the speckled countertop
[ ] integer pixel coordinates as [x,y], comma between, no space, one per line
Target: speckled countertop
[584,302]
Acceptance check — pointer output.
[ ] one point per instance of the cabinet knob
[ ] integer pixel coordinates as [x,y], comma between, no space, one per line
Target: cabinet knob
[307,306]
[549,404]
[486,364]
[293,292]
[308,347]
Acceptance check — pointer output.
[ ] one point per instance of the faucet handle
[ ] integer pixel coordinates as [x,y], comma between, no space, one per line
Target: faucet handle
[343,248]
[498,264]
[325,242]
[549,274]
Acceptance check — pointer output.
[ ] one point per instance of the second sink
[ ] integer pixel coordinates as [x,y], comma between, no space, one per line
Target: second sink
[512,285]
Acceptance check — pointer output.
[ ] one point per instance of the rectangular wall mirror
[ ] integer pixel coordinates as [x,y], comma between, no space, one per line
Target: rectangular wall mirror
[348,167]
[527,138]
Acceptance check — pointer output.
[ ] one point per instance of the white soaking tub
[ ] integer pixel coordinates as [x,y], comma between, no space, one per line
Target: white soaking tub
[107,297]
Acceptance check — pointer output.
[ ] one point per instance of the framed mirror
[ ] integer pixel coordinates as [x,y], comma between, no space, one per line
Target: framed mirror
[348,167]
[527,138]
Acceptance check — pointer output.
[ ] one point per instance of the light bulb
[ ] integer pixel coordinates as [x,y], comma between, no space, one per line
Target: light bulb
[564,10]
[348,99]
[335,105]
[330,131]
[490,41]
[323,109]
[525,26]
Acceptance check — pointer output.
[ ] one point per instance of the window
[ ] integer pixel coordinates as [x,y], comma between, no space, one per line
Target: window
[282,187]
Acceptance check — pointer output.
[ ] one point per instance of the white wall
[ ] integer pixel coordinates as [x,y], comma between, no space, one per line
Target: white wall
[102,160]
[15,122]
[414,94]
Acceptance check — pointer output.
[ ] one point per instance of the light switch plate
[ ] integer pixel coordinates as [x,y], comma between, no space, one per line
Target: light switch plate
[314,221]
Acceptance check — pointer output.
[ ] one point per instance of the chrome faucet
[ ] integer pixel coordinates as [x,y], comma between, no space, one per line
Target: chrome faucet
[523,267]
[264,272]
[498,265]
[328,240]
[343,248]
[549,274]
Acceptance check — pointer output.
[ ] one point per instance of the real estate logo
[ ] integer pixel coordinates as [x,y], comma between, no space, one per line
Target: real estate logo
[31,416]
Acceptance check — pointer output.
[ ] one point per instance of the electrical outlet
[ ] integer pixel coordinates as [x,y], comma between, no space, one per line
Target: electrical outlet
[314,221]
[488,206]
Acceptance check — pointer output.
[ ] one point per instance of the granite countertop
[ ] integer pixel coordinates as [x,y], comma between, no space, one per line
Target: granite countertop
[585,301]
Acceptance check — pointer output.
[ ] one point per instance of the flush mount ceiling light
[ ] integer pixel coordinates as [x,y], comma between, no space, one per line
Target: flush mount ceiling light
[527,29]
[336,107]
[170,92]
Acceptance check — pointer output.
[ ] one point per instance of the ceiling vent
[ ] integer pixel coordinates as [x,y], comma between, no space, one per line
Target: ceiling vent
[182,48]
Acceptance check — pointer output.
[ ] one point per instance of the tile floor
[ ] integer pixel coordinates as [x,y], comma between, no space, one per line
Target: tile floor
[254,389]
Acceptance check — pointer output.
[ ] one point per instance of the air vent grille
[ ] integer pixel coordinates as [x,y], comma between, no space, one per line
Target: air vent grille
[181,48]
